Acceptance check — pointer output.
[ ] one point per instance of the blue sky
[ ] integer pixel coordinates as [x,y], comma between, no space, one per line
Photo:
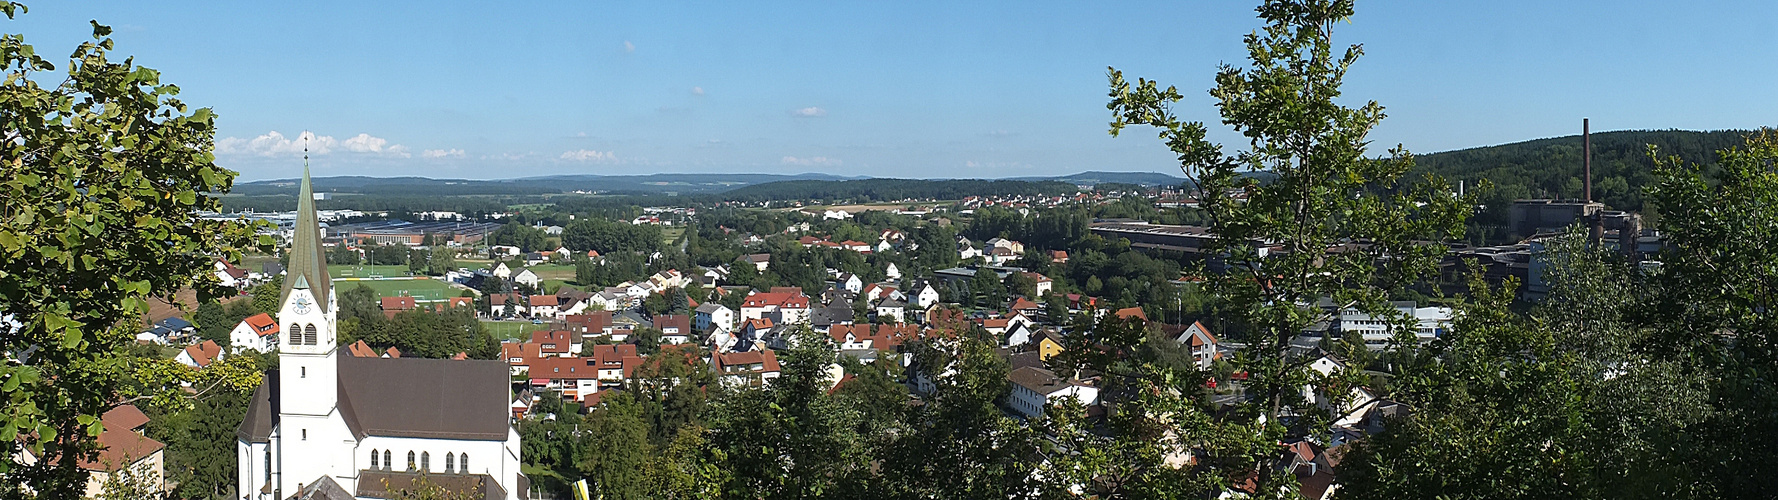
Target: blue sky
[487,90]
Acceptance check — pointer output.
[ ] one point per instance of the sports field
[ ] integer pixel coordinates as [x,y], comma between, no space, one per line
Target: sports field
[505,330]
[418,288]
[367,271]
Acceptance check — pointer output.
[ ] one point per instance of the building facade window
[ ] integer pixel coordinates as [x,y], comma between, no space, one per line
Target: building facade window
[309,335]
[425,461]
[463,463]
[410,460]
[386,463]
[296,334]
[373,459]
[450,463]
[305,434]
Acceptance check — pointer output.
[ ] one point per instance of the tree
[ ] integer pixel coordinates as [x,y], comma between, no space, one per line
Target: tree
[417,261]
[792,438]
[616,450]
[989,292]
[1021,284]
[441,260]
[1322,191]
[104,175]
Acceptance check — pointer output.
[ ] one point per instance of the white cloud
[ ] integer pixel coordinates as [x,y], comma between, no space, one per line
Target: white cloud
[274,144]
[813,161]
[589,155]
[442,153]
[629,47]
[809,112]
[697,91]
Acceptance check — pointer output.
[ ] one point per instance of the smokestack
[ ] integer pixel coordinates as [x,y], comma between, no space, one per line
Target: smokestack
[1586,138]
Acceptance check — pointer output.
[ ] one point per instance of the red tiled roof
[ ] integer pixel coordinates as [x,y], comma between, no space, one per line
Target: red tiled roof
[205,353]
[398,303]
[788,300]
[767,360]
[360,349]
[393,352]
[1131,312]
[1022,304]
[262,324]
[544,300]
[680,321]
[119,445]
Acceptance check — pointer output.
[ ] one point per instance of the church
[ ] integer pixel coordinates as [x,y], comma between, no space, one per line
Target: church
[328,425]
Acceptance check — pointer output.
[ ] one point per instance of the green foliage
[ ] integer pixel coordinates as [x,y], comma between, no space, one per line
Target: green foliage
[609,236]
[1323,192]
[103,174]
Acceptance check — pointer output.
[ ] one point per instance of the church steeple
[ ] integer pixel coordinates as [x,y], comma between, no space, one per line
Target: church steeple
[308,265]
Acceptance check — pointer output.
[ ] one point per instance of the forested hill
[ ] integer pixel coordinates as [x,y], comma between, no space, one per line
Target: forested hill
[1551,168]
[874,190]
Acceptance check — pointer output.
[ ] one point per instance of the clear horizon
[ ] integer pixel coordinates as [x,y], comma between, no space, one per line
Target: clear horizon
[918,90]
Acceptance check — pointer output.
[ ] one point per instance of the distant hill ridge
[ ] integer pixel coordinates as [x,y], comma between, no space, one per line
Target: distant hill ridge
[1548,167]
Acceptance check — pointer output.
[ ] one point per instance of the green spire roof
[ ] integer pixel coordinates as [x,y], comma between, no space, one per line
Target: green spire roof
[308,266]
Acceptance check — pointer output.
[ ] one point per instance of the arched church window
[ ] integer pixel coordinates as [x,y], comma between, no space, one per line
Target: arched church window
[296,334]
[373,459]
[425,461]
[463,463]
[386,462]
[410,460]
[309,334]
[450,463]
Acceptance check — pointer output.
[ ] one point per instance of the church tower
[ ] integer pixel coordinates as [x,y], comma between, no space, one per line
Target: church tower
[310,429]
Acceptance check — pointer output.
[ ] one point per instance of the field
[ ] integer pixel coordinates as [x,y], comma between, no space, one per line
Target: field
[367,271]
[421,288]
[512,330]
[671,233]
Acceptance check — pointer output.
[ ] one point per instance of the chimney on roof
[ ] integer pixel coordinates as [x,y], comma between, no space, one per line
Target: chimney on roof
[1586,139]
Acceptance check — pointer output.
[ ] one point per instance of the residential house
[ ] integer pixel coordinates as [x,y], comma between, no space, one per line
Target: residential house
[590,324]
[543,306]
[1044,285]
[712,314]
[1025,307]
[924,295]
[231,276]
[893,309]
[124,444]
[561,253]
[1131,312]
[675,328]
[396,305]
[200,355]
[1200,341]
[759,260]
[849,282]
[1059,256]
[623,323]
[1033,388]
[754,368]
[528,278]
[258,332]
[505,304]
[784,305]
[503,252]
[556,342]
[892,272]
[872,292]
[500,270]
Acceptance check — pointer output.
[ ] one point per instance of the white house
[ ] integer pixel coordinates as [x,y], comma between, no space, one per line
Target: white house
[257,333]
[1201,343]
[346,426]
[710,314]
[503,251]
[501,271]
[892,272]
[925,295]
[527,278]
[893,309]
[849,282]
[200,355]
[1033,387]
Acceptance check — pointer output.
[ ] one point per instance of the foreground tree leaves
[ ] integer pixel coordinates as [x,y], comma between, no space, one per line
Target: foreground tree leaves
[101,179]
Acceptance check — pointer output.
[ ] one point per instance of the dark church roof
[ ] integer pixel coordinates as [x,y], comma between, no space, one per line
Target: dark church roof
[308,265]
[405,397]
[425,398]
[262,412]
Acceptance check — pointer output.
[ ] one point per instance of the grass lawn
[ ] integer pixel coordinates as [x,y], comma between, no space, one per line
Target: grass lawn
[671,233]
[562,272]
[422,289]
[367,271]
[512,330]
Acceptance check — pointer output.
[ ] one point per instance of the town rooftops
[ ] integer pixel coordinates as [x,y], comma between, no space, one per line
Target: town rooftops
[1038,380]
[205,353]
[120,445]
